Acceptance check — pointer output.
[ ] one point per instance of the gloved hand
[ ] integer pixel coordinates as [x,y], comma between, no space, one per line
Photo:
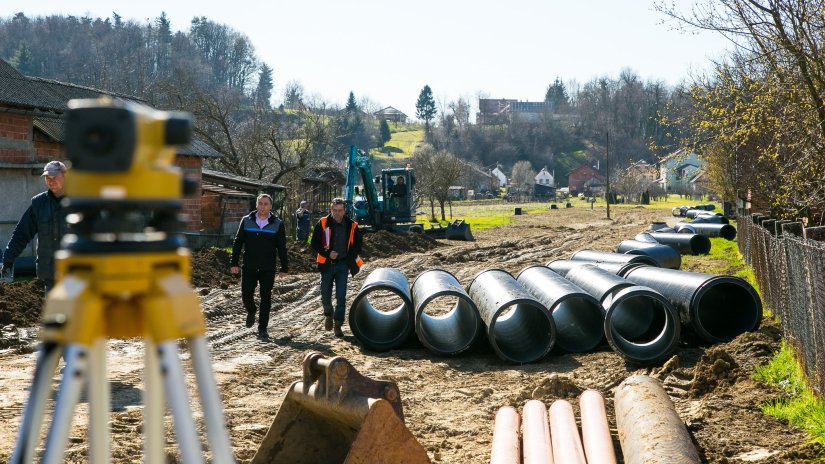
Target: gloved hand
[7,272]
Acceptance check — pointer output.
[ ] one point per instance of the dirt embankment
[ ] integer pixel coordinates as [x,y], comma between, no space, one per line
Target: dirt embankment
[449,402]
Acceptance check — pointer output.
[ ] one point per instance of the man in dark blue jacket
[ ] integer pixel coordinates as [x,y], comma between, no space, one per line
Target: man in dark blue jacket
[263,239]
[44,218]
[337,241]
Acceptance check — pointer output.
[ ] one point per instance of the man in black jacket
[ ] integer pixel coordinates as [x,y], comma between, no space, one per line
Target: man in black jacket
[262,236]
[43,218]
[337,241]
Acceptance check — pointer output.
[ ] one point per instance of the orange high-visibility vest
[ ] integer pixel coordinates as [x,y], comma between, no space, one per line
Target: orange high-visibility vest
[325,241]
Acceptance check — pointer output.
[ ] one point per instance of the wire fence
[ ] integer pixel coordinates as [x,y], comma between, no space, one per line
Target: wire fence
[788,261]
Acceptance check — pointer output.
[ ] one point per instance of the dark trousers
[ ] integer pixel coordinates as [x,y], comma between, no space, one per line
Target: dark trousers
[337,273]
[250,278]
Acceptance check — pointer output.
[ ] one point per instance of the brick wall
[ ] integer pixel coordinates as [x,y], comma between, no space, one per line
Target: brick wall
[47,149]
[15,139]
[211,211]
[191,167]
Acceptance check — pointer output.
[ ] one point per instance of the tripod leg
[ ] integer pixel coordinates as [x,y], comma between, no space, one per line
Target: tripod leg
[29,432]
[153,406]
[175,383]
[99,404]
[74,377]
[210,402]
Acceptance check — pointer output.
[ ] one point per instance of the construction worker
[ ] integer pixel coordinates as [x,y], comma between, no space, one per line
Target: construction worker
[44,218]
[262,236]
[302,218]
[337,241]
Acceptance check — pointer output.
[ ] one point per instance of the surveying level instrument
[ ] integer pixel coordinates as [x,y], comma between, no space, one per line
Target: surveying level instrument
[122,272]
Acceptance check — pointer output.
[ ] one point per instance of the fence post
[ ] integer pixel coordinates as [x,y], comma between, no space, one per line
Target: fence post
[792,228]
[815,233]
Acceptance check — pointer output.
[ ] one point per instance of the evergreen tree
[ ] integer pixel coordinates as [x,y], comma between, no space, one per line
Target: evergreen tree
[351,105]
[425,107]
[22,59]
[557,94]
[384,129]
[264,91]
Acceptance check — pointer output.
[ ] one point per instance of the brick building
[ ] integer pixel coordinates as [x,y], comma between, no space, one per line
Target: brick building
[32,116]
[583,178]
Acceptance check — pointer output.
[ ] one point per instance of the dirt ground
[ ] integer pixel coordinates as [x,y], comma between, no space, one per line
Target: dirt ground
[449,402]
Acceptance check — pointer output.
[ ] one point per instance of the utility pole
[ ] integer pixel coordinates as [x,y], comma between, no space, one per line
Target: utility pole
[607,171]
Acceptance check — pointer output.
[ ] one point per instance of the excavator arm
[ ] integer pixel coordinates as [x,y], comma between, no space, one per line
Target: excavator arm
[359,163]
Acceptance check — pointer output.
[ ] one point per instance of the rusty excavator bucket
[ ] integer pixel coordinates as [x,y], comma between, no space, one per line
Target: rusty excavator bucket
[336,415]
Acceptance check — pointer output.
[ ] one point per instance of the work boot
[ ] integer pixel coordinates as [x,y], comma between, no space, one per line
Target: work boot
[327,322]
[250,320]
[338,332]
[262,335]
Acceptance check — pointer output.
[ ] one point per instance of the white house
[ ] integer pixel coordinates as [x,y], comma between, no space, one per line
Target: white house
[545,178]
[502,177]
[677,169]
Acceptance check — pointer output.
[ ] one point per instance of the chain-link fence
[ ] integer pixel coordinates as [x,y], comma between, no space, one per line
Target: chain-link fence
[788,261]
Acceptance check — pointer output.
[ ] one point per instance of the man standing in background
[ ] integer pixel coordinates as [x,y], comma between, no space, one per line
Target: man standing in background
[43,218]
[302,218]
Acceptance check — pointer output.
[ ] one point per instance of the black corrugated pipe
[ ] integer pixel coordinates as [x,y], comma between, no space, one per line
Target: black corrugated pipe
[520,329]
[563,266]
[383,329]
[640,324]
[610,257]
[578,316]
[692,244]
[664,255]
[692,213]
[446,319]
[710,219]
[718,308]
[726,231]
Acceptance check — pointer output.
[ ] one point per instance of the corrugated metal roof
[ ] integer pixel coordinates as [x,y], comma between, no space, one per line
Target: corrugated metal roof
[198,148]
[53,127]
[224,190]
[210,175]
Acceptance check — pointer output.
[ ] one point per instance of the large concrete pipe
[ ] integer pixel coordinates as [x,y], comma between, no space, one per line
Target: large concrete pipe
[694,213]
[608,257]
[388,325]
[520,329]
[578,316]
[446,319]
[650,429]
[564,433]
[690,244]
[665,255]
[726,231]
[563,266]
[708,218]
[640,323]
[506,449]
[598,446]
[535,434]
[717,308]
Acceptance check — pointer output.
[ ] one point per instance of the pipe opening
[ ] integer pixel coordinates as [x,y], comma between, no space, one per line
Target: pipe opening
[448,324]
[381,316]
[726,310]
[641,325]
[579,324]
[522,332]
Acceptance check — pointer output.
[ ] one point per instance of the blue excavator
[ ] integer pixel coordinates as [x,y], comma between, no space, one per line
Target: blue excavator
[386,202]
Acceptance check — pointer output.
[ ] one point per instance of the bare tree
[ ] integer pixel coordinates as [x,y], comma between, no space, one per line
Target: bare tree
[437,171]
[522,178]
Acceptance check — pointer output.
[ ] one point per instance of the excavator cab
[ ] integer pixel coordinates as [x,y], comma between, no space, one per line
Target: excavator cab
[396,188]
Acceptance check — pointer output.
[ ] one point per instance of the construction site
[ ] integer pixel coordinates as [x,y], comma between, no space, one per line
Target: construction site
[449,401]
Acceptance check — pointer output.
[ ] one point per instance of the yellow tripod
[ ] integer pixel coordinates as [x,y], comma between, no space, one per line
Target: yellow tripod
[123,274]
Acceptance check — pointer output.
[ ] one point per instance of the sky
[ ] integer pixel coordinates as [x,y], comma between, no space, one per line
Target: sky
[386,51]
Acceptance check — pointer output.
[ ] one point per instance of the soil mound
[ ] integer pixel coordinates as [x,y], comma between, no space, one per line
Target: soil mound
[301,258]
[21,303]
[383,244]
[210,268]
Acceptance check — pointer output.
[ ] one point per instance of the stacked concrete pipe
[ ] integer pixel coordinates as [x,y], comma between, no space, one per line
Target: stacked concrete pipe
[519,328]
[454,331]
[640,324]
[726,231]
[382,330]
[650,429]
[578,316]
[717,308]
[689,244]
[664,255]
[563,266]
